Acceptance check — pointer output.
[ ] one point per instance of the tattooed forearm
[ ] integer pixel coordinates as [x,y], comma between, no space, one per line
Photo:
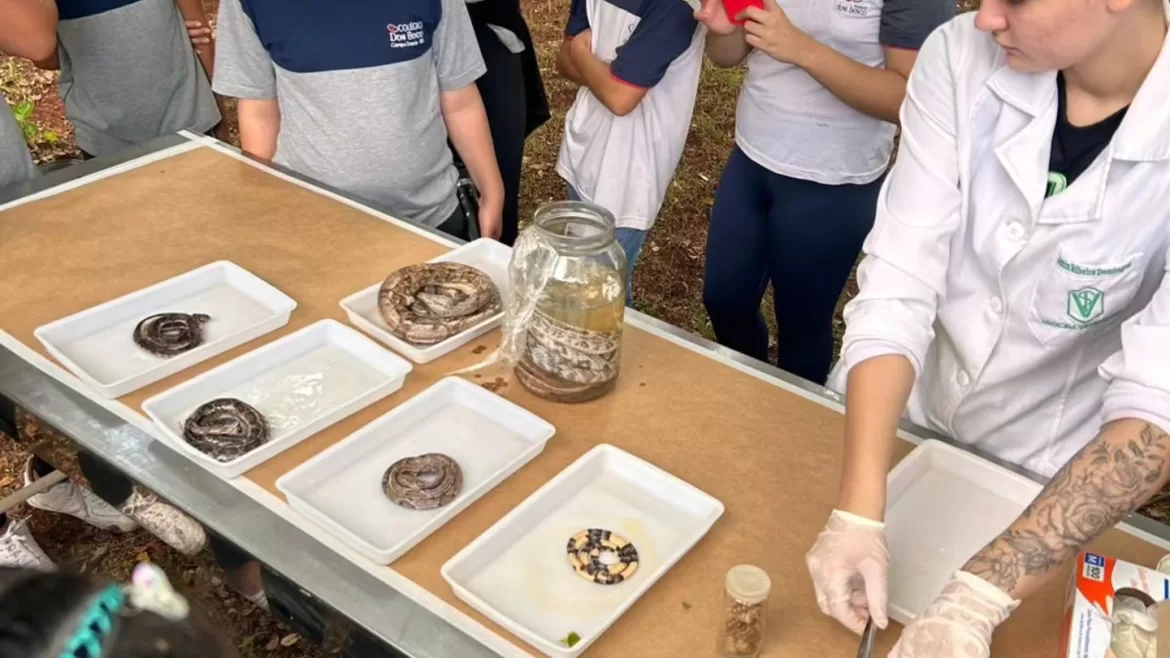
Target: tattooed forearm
[1110,477]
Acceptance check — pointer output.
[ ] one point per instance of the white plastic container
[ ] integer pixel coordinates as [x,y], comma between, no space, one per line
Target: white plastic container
[518,575]
[341,488]
[301,384]
[484,254]
[943,506]
[97,344]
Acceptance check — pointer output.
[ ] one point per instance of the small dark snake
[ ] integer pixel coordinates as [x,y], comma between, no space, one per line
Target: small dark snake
[170,334]
[602,557]
[428,303]
[423,483]
[226,429]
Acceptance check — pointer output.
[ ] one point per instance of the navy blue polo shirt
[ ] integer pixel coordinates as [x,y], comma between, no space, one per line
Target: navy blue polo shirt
[358,84]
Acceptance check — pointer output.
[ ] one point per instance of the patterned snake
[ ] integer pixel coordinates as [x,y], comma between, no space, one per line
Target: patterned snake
[423,483]
[602,557]
[225,429]
[568,363]
[427,303]
[170,334]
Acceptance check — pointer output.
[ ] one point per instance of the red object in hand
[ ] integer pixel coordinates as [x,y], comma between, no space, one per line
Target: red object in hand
[734,7]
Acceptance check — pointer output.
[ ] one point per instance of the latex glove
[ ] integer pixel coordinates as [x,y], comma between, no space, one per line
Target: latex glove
[959,623]
[1134,631]
[850,566]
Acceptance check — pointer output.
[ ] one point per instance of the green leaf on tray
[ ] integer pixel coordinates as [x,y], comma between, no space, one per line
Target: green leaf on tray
[571,640]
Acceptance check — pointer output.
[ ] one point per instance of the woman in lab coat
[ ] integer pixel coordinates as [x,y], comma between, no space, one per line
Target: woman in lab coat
[1014,296]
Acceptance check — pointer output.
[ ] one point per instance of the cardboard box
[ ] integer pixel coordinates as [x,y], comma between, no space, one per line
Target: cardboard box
[1116,609]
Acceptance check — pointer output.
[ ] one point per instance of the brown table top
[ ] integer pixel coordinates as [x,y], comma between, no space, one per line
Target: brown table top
[770,455]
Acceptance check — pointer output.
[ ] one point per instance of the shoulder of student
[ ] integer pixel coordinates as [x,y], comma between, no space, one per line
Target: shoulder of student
[968,53]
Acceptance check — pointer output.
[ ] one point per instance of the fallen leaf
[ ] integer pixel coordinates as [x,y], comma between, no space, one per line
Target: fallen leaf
[289,640]
[142,557]
[6,480]
[273,643]
[98,552]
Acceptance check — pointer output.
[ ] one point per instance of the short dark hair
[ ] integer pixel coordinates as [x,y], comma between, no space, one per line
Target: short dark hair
[41,611]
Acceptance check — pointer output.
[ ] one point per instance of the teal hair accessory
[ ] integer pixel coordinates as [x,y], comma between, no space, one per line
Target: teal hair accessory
[96,625]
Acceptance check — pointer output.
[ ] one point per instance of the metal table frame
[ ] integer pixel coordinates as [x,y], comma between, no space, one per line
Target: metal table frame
[388,615]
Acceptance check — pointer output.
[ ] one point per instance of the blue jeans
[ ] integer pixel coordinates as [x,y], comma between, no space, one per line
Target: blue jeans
[631,241]
[801,236]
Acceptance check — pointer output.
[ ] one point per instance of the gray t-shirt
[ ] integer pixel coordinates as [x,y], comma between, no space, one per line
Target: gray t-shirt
[358,85]
[129,73]
[15,164]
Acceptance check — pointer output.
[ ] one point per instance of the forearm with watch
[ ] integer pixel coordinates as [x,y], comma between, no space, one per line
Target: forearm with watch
[467,127]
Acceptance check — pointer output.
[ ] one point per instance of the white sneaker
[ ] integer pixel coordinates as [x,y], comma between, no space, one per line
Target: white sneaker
[179,531]
[19,549]
[68,498]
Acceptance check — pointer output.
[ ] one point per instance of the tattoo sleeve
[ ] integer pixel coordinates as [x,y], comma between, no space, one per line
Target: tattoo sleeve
[1111,476]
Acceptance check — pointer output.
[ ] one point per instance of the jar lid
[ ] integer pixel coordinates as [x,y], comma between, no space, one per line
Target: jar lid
[748,583]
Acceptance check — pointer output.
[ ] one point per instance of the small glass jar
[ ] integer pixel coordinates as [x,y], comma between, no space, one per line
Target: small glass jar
[571,350]
[745,617]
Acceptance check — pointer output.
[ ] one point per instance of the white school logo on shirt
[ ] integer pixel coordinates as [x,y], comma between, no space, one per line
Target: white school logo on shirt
[852,8]
[406,35]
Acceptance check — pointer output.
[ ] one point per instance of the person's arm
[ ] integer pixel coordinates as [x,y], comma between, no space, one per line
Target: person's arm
[467,127]
[259,127]
[196,24]
[1124,466]
[666,31]
[245,71]
[29,28]
[578,22]
[726,46]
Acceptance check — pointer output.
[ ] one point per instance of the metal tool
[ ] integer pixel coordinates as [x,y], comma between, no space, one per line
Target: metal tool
[865,650]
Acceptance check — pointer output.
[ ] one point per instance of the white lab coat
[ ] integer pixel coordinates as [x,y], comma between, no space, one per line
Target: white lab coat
[1029,322]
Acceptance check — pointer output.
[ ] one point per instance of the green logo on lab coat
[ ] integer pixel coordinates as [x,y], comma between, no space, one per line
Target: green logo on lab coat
[1086,305]
[1057,183]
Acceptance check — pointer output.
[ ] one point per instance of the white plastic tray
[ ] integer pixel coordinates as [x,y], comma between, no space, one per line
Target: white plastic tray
[943,506]
[301,383]
[98,346]
[341,488]
[518,575]
[484,254]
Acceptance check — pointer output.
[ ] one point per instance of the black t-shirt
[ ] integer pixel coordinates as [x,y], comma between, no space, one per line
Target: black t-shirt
[1074,148]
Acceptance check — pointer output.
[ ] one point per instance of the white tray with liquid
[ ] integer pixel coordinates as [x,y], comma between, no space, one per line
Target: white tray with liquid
[341,488]
[944,505]
[301,384]
[518,574]
[484,254]
[97,344]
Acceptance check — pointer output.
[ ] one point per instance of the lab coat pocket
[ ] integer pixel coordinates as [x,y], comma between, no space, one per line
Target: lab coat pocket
[1076,296]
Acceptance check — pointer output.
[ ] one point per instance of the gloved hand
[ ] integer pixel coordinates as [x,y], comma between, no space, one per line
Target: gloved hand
[1135,628]
[850,566]
[959,623]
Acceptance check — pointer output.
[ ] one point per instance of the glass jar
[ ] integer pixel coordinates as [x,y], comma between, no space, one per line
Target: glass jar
[745,616]
[570,263]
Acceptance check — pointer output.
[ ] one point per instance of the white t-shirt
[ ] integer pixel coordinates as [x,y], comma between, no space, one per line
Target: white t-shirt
[625,163]
[790,124]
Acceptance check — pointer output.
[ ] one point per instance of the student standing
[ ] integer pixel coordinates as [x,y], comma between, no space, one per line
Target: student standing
[1014,295]
[363,96]
[638,66]
[28,30]
[513,94]
[814,130]
[129,73]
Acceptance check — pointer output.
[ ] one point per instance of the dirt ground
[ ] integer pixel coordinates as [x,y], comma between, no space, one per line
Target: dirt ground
[667,285]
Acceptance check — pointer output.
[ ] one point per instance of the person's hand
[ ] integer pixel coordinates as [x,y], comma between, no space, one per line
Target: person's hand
[491,213]
[714,16]
[850,564]
[769,30]
[199,33]
[959,623]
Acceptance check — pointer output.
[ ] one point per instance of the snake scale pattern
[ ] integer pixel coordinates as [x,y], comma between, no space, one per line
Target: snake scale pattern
[428,303]
[226,429]
[567,363]
[602,557]
[170,334]
[424,482]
